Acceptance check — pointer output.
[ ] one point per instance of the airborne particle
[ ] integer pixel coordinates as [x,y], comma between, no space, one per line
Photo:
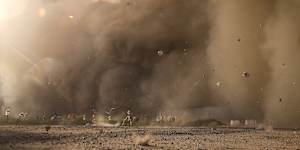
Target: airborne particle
[47,128]
[246,74]
[160,53]
[218,84]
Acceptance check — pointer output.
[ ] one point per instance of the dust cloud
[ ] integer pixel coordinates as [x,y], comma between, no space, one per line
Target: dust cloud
[235,57]
[283,48]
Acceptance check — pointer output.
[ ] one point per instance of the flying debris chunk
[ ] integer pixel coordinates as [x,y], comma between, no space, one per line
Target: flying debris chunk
[246,74]
[280,99]
[218,84]
[160,52]
[239,40]
[22,115]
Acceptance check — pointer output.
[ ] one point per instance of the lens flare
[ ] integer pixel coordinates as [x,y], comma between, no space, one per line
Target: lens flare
[11,8]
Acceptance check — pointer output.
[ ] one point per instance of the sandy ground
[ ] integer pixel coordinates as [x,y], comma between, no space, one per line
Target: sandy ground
[76,137]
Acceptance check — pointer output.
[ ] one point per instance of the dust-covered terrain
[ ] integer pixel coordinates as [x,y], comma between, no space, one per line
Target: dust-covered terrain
[79,137]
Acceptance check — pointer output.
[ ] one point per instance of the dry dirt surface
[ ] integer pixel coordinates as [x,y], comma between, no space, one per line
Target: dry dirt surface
[79,137]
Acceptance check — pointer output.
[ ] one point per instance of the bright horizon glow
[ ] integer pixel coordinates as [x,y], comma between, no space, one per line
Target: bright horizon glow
[11,8]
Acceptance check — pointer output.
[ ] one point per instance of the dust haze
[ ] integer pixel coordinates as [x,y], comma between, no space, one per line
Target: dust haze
[235,59]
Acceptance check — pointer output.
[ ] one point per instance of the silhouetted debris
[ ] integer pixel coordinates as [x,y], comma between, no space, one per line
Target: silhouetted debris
[160,53]
[218,84]
[21,116]
[246,74]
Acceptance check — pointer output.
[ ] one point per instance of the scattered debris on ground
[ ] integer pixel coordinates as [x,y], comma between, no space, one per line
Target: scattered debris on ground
[79,137]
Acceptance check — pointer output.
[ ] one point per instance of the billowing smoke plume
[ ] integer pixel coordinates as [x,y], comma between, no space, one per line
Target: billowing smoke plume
[138,55]
[239,57]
